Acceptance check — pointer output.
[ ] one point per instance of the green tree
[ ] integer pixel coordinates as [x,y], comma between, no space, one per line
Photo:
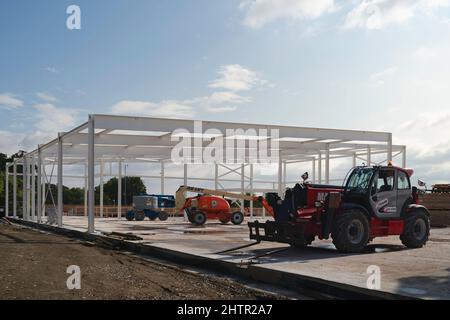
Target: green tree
[3,160]
[133,186]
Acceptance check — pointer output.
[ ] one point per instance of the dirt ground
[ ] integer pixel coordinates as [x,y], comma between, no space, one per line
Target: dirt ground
[34,265]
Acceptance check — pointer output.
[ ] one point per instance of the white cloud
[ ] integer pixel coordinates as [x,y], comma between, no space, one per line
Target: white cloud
[8,141]
[227,97]
[235,77]
[46,97]
[217,102]
[9,101]
[51,69]
[51,119]
[378,14]
[47,120]
[260,12]
[382,76]
[168,108]
[425,54]
[220,109]
[232,79]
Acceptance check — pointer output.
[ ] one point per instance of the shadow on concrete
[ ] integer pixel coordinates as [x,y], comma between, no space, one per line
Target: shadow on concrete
[303,255]
[431,287]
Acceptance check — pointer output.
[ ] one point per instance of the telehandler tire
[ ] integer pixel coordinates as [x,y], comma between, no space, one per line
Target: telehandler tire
[416,229]
[350,231]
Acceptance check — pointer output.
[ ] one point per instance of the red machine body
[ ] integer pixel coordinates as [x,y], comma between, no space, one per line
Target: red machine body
[214,207]
[311,215]
[374,202]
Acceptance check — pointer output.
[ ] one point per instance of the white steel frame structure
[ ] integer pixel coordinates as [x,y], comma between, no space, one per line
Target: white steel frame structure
[107,139]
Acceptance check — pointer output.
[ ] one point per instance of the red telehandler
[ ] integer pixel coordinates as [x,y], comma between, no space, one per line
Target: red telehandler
[374,202]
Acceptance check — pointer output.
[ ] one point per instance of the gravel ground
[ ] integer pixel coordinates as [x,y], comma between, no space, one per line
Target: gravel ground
[34,265]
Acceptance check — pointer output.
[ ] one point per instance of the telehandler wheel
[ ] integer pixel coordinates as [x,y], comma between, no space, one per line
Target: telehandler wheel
[416,230]
[302,242]
[350,231]
[198,218]
[163,216]
[139,216]
[237,217]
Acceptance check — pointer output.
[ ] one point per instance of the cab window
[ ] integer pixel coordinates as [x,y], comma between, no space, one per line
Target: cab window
[403,181]
[385,180]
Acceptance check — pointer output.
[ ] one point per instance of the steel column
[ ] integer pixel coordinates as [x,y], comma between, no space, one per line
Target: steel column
[369,155]
[15,190]
[404,156]
[314,171]
[119,191]
[162,178]
[33,189]
[60,181]
[389,148]
[242,186]
[91,174]
[216,176]
[101,188]
[39,186]
[320,168]
[25,188]
[251,189]
[44,195]
[7,190]
[85,189]
[327,164]
[280,176]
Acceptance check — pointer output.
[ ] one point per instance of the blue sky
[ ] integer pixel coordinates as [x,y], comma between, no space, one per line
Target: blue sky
[374,64]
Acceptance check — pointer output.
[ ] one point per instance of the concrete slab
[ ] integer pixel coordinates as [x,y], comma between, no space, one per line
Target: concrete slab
[420,273]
